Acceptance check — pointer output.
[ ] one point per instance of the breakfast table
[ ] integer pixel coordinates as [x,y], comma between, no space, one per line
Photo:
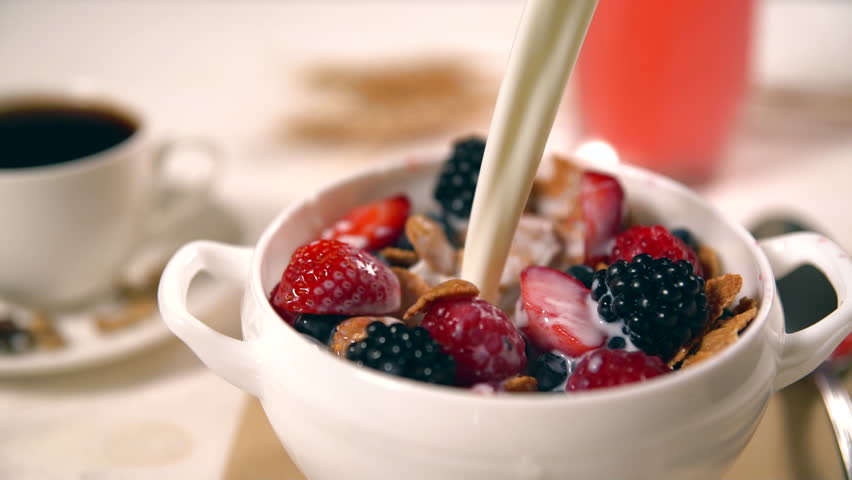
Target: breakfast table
[234,72]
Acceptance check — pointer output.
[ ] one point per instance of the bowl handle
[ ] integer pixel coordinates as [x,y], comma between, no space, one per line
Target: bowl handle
[228,357]
[803,351]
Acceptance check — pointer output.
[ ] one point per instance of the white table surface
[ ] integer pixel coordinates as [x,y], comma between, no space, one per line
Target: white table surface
[220,69]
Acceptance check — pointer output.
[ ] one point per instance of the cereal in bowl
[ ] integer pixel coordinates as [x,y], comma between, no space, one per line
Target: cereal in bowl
[587,302]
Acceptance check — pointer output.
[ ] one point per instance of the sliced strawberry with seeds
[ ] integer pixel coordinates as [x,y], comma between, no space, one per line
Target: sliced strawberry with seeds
[331,277]
[558,315]
[602,206]
[372,226]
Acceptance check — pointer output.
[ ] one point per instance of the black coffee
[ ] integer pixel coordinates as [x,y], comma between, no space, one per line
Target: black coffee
[31,136]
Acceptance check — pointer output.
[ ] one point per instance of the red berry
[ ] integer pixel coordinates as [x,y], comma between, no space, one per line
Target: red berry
[657,242]
[289,317]
[558,313]
[372,226]
[602,206]
[331,277]
[485,344]
[608,368]
[843,350]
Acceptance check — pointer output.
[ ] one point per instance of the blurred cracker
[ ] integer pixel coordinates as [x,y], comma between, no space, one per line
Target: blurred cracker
[392,102]
[521,384]
[130,313]
[399,257]
[721,292]
[44,332]
[412,287]
[724,335]
[431,244]
[449,290]
[709,261]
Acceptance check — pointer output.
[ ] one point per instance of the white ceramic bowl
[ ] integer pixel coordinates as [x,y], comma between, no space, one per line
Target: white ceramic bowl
[338,420]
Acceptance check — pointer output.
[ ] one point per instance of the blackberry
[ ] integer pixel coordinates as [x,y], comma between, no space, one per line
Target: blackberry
[447,226]
[405,352]
[583,273]
[662,303]
[458,177]
[319,327]
[550,371]
[687,237]
[616,343]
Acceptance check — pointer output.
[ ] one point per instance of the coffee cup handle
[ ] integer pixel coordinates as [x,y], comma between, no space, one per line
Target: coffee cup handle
[176,201]
[803,351]
[228,357]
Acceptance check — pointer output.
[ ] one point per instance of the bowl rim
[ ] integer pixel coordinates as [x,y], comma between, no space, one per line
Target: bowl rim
[400,385]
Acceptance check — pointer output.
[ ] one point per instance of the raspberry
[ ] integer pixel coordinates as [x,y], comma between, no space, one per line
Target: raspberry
[607,368]
[483,341]
[331,277]
[662,304]
[459,174]
[398,350]
[657,242]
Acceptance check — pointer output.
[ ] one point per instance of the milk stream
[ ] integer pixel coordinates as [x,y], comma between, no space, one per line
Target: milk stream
[544,53]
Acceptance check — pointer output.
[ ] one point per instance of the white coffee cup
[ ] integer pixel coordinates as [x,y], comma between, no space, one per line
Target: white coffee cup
[69,228]
[339,420]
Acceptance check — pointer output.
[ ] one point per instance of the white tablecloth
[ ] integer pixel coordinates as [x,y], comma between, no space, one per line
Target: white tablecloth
[220,69]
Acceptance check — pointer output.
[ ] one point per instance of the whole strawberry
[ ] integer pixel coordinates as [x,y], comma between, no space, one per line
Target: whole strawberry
[656,241]
[483,341]
[331,277]
[603,368]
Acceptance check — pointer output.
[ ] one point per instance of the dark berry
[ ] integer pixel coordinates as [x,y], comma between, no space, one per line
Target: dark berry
[583,273]
[661,302]
[616,343]
[550,371]
[405,352]
[458,177]
[447,226]
[403,243]
[686,237]
[319,327]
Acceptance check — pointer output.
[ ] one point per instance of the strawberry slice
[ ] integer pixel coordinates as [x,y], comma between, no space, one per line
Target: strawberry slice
[331,277]
[558,314]
[602,206]
[372,226]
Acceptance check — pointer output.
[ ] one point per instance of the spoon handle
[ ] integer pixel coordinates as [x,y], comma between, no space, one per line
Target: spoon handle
[839,408]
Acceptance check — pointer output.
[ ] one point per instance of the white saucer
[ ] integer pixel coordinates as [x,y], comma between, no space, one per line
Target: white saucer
[86,346]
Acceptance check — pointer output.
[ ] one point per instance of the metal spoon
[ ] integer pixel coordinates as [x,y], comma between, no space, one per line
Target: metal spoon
[816,298]
[839,407]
